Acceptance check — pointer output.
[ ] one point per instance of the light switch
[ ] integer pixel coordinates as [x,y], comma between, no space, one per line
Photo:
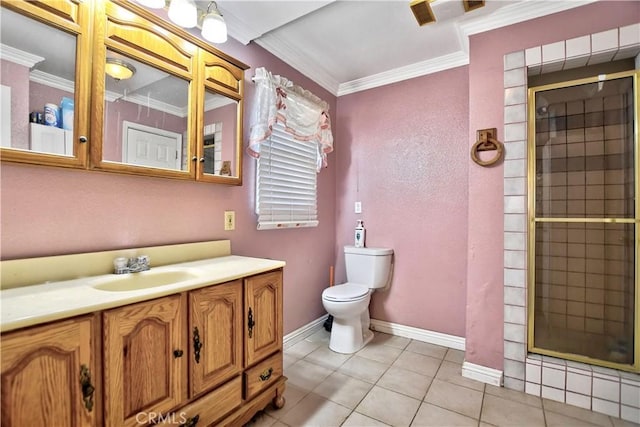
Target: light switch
[229,220]
[358,207]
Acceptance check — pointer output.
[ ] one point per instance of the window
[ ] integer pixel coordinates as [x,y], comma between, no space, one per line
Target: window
[286,186]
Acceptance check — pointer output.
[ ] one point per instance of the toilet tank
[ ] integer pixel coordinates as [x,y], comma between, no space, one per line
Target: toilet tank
[370,267]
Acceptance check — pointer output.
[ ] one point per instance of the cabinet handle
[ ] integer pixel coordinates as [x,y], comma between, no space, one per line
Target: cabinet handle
[82,139]
[250,322]
[201,159]
[197,345]
[194,158]
[266,374]
[191,422]
[177,353]
[87,387]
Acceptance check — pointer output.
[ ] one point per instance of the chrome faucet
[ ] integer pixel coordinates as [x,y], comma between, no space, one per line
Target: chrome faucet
[136,264]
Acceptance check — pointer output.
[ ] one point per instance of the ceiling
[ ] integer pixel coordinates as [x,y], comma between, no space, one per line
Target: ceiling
[348,46]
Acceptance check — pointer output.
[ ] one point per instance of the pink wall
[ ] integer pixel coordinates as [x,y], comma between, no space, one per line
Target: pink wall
[484,345]
[402,152]
[17,77]
[47,211]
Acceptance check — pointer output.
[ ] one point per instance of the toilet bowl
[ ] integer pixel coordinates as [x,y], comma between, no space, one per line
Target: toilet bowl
[367,269]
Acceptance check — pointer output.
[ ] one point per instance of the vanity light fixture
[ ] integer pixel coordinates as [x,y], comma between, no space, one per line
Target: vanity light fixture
[119,69]
[214,29]
[183,13]
[152,4]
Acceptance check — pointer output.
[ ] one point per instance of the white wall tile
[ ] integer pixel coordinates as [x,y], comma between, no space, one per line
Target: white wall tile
[605,407]
[515,241]
[515,314]
[515,259]
[515,333]
[533,56]
[514,60]
[534,373]
[515,204]
[630,35]
[553,52]
[514,351]
[604,389]
[630,395]
[580,46]
[515,150]
[515,132]
[578,383]
[553,393]
[630,414]
[515,168]
[552,67]
[515,186]
[513,277]
[553,377]
[515,296]
[578,61]
[600,58]
[532,388]
[515,113]
[514,369]
[515,222]
[605,40]
[515,77]
[513,383]
[515,95]
[579,400]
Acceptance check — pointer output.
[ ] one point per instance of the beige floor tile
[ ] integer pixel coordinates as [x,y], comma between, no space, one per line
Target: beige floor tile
[452,372]
[302,348]
[515,395]
[261,419]
[455,356]
[389,407]
[425,365]
[576,412]
[314,410]
[559,420]
[363,369]
[306,375]
[405,382]
[504,412]
[617,422]
[280,424]
[322,336]
[292,396]
[325,357]
[288,360]
[433,416]
[380,353]
[427,349]
[343,389]
[455,398]
[359,420]
[390,340]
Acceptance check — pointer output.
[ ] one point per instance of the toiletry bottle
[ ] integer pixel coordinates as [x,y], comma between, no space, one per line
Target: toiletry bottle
[359,235]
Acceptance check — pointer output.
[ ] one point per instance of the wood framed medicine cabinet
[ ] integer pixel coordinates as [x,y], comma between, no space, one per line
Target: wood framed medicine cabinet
[180,113]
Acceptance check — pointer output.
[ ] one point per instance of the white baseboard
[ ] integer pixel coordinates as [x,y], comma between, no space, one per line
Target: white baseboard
[424,335]
[482,373]
[303,332]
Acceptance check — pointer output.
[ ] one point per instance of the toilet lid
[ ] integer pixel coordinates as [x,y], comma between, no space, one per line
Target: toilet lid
[345,292]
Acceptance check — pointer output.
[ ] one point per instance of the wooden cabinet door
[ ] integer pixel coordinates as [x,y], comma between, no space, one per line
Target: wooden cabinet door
[145,360]
[43,372]
[215,325]
[263,316]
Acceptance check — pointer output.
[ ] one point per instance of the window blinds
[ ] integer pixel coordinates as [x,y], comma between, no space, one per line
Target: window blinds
[286,182]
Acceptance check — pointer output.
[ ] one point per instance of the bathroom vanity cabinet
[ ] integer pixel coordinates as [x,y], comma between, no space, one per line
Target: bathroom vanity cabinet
[207,356]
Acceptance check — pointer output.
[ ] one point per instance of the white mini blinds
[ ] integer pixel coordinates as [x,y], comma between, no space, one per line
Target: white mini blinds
[286,184]
[291,137]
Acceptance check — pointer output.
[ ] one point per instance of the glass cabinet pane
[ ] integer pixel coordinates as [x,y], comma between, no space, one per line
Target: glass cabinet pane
[145,115]
[38,76]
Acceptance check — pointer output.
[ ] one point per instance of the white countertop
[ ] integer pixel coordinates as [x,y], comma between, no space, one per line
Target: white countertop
[35,304]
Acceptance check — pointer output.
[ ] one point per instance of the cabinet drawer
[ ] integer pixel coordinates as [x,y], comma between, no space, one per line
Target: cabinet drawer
[262,375]
[210,407]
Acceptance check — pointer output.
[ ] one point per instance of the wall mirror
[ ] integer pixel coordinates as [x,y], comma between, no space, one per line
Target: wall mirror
[218,156]
[38,87]
[145,115]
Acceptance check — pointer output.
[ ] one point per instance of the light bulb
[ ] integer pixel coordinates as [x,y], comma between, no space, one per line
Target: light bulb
[183,13]
[214,29]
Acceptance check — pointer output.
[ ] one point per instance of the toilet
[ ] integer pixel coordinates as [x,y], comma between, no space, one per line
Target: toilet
[368,269]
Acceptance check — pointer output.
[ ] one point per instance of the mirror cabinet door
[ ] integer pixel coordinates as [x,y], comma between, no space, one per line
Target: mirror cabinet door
[44,88]
[144,105]
[219,151]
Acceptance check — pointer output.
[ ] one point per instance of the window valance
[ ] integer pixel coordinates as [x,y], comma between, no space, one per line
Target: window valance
[303,114]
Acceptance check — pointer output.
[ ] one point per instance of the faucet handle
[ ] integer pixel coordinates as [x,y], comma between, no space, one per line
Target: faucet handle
[143,261]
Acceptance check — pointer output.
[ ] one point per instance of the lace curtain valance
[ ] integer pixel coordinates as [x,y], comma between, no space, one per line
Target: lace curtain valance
[304,115]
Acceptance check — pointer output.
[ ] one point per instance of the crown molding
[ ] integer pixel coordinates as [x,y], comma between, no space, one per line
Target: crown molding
[282,50]
[18,56]
[418,69]
[238,29]
[50,80]
[217,102]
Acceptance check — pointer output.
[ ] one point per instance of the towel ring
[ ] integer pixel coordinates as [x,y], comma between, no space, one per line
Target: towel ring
[490,144]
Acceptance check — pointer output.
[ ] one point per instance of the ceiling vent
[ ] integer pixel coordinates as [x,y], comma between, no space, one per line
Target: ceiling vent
[422,11]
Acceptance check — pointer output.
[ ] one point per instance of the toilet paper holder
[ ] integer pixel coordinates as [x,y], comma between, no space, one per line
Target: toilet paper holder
[486,141]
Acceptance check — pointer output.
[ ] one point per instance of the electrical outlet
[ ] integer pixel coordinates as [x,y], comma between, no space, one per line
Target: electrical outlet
[229,220]
[357,207]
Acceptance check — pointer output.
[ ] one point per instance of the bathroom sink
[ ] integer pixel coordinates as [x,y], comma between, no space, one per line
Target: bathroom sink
[143,280]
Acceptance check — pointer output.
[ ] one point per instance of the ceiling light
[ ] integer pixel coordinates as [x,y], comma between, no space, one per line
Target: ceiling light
[422,11]
[214,29]
[183,13]
[152,4]
[119,69]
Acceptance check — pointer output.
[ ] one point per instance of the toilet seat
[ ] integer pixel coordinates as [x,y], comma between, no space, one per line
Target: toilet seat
[345,292]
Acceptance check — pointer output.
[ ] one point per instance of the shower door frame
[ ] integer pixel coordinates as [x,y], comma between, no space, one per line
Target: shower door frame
[533,220]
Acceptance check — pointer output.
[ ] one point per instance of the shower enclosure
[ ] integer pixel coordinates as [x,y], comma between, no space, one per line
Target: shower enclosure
[584,222]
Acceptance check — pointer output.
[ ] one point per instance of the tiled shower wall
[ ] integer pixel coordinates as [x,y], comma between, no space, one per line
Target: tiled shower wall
[603,390]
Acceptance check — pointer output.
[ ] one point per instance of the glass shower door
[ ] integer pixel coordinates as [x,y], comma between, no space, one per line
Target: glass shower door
[583,247]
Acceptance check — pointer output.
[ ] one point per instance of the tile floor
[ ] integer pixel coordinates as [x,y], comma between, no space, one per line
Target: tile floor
[396,381]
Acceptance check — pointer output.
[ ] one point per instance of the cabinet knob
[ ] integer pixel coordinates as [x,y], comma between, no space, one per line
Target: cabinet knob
[87,387]
[194,158]
[264,376]
[197,345]
[177,353]
[250,323]
[82,139]
[201,159]
[191,422]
